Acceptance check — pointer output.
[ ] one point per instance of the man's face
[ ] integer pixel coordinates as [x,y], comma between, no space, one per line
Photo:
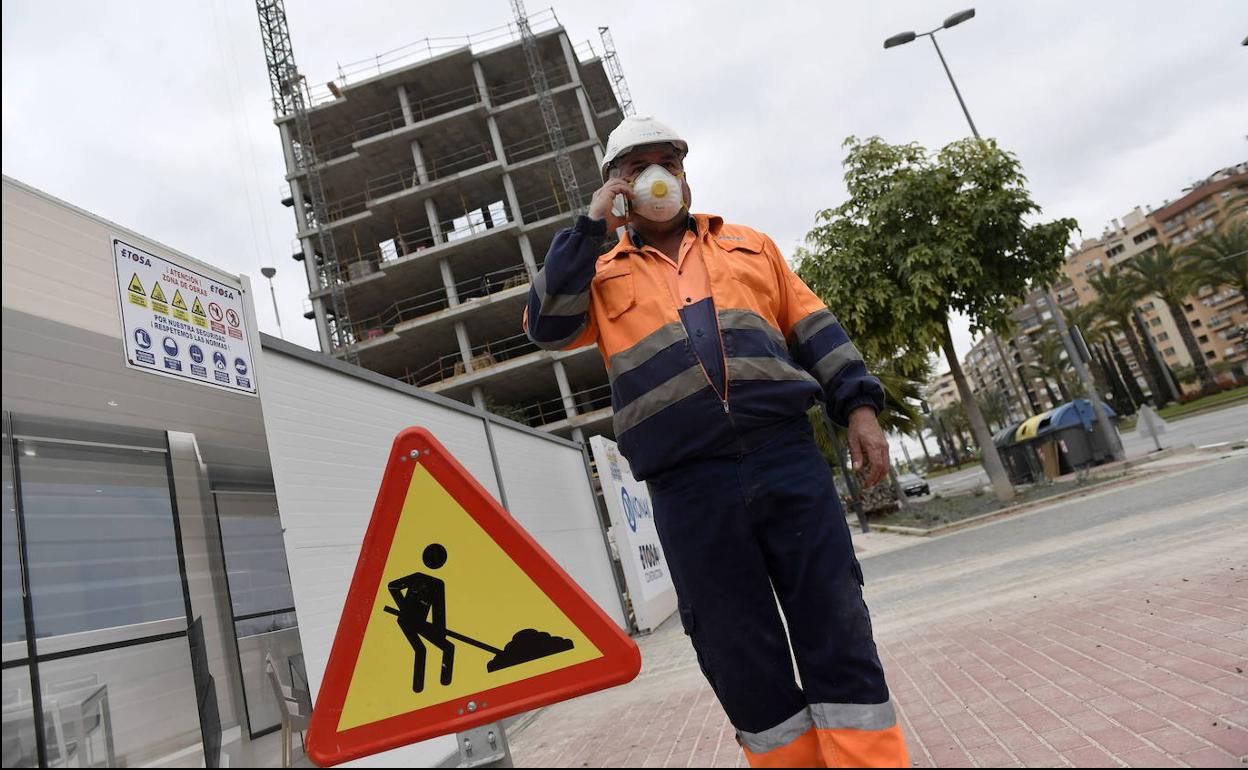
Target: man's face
[633,163]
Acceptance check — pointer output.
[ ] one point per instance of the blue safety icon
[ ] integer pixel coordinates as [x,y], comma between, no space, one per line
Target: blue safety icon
[240,366]
[142,338]
[171,346]
[197,354]
[218,360]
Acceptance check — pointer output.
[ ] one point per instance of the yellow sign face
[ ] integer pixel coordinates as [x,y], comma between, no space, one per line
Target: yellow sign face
[136,285]
[196,308]
[453,616]
[178,302]
[158,294]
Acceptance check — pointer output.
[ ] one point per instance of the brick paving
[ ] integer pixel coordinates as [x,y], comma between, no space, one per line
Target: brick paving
[1136,663]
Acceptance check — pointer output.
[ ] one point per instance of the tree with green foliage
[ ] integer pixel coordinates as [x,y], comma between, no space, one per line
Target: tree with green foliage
[1116,298]
[1222,256]
[1104,376]
[1173,276]
[1052,365]
[923,236]
[993,406]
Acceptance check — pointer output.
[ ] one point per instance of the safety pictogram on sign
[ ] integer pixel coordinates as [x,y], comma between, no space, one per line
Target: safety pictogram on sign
[197,308]
[455,618]
[136,286]
[178,302]
[158,294]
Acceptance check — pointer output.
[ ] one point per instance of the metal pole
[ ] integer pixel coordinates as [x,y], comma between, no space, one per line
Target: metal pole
[276,315]
[1108,433]
[956,92]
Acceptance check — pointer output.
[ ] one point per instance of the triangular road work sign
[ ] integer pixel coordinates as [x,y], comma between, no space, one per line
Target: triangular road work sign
[158,294]
[135,285]
[178,302]
[455,618]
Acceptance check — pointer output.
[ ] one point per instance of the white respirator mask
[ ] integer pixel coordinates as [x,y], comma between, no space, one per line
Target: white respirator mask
[657,194]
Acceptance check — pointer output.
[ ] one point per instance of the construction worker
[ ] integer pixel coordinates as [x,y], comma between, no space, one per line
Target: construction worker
[715,350]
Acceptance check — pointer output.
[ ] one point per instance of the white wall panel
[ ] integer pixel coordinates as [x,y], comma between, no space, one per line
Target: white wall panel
[549,494]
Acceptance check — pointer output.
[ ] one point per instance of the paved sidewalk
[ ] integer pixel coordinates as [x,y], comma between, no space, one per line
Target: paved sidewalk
[1116,662]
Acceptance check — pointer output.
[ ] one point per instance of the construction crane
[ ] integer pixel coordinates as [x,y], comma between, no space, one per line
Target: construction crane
[291,97]
[615,71]
[567,176]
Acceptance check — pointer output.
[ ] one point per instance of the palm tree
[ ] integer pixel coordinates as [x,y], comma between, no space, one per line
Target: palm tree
[1051,365]
[1092,328]
[1173,277]
[1223,255]
[994,407]
[1116,303]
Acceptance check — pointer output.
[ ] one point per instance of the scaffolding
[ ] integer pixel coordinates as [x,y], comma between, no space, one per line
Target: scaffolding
[616,72]
[550,117]
[290,96]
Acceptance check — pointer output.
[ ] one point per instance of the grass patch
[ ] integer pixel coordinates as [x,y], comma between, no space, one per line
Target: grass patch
[943,471]
[1175,411]
[940,511]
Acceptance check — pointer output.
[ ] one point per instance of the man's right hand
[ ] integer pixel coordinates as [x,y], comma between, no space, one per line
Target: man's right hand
[600,205]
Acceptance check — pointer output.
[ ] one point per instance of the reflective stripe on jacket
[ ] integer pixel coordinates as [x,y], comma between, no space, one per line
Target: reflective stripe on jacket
[781,347]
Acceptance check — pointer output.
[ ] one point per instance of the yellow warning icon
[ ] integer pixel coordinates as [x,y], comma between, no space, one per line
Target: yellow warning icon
[158,294]
[454,615]
[196,308]
[135,285]
[178,302]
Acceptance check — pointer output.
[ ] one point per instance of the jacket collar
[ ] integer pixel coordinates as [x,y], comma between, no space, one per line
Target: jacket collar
[699,224]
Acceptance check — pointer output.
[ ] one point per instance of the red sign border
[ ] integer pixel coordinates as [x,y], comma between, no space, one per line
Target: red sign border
[620,661]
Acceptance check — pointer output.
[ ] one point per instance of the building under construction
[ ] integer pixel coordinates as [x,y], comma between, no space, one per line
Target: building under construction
[444,170]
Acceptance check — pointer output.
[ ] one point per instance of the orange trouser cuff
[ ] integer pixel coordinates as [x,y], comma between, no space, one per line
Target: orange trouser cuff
[863,748]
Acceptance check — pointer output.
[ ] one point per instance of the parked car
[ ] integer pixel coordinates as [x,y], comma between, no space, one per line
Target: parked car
[913,485]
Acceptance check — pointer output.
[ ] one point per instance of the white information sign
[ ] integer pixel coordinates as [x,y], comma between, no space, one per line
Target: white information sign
[632,525]
[177,322]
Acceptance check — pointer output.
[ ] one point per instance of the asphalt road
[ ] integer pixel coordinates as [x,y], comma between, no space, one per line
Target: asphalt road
[1037,551]
[1215,427]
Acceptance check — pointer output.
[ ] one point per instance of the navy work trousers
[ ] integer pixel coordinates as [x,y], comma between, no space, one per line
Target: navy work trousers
[733,530]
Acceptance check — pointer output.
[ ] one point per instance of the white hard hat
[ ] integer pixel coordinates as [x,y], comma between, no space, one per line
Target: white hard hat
[635,131]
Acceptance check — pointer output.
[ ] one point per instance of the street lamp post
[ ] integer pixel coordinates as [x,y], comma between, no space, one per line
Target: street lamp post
[269,272]
[1107,431]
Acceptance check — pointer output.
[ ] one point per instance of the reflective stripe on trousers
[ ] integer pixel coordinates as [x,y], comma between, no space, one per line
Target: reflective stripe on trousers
[735,528]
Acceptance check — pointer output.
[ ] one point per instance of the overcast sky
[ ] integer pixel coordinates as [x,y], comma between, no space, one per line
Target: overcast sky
[156,114]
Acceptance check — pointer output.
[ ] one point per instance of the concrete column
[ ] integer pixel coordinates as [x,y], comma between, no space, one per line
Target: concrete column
[465,345]
[497,139]
[418,158]
[587,112]
[578,435]
[288,148]
[431,211]
[478,397]
[513,201]
[448,281]
[406,105]
[565,389]
[308,246]
[570,56]
[482,88]
[526,254]
[318,303]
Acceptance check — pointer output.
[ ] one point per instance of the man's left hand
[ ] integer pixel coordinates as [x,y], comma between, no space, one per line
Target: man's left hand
[867,446]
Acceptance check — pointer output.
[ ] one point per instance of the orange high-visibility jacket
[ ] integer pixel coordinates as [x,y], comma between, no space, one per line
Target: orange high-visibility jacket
[691,376]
